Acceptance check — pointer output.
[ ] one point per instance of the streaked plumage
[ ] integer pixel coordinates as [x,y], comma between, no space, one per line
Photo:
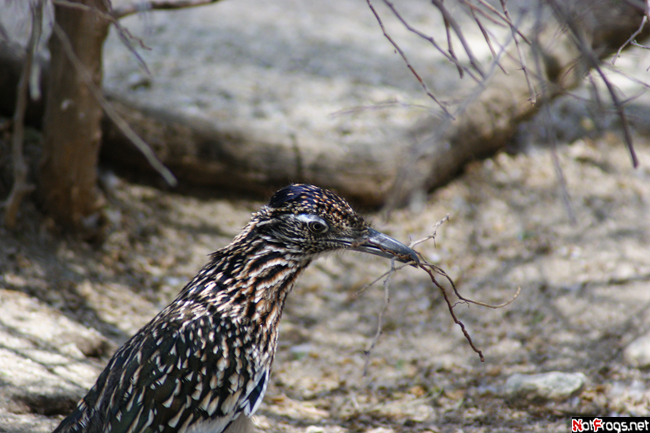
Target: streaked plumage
[203,363]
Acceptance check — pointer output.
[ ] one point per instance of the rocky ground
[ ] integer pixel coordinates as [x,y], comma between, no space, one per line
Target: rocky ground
[582,314]
[582,310]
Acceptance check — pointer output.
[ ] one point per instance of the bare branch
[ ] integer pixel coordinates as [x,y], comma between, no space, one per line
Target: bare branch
[432,270]
[487,40]
[566,197]
[432,235]
[636,44]
[497,306]
[504,18]
[21,187]
[473,8]
[596,93]
[454,25]
[125,36]
[379,106]
[450,46]
[408,64]
[141,6]
[110,111]
[594,62]
[429,39]
[522,58]
[380,317]
[631,40]
[626,75]
[3,33]
[621,113]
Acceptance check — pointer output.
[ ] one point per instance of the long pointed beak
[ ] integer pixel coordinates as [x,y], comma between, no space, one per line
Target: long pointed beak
[379,244]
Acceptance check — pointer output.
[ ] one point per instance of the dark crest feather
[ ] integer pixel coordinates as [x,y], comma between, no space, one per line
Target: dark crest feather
[295,193]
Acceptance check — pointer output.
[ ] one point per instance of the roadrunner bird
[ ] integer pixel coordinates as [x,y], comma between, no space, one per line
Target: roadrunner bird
[202,365]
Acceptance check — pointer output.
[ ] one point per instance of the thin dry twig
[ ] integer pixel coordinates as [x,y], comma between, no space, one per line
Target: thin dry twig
[486,36]
[559,173]
[544,85]
[108,108]
[636,44]
[595,94]
[3,33]
[432,236]
[626,75]
[506,19]
[379,106]
[432,270]
[125,36]
[408,64]
[473,8]
[621,114]
[631,40]
[380,317]
[594,62]
[141,6]
[20,186]
[522,57]
[497,306]
[450,46]
[459,34]
[429,39]
[386,277]
[379,278]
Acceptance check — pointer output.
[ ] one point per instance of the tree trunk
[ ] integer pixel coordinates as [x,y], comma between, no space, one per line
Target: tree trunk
[72,121]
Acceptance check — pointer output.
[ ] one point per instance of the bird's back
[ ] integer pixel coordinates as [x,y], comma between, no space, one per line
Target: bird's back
[190,365]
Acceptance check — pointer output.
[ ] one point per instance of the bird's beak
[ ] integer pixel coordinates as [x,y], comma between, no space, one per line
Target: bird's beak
[379,244]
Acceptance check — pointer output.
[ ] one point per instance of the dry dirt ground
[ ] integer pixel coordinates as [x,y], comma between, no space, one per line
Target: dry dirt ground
[65,306]
[585,293]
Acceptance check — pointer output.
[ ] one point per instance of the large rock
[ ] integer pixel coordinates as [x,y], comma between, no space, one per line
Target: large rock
[246,97]
[521,389]
[637,353]
[44,365]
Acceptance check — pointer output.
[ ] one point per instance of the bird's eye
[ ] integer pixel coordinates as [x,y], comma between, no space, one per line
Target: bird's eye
[317,227]
[315,224]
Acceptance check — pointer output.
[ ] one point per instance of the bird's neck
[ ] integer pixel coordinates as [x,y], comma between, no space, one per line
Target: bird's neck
[250,278]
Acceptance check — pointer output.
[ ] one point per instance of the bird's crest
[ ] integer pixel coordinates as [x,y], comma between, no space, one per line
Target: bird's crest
[301,198]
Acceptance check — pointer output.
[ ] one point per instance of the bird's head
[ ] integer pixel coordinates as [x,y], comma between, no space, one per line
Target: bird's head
[314,220]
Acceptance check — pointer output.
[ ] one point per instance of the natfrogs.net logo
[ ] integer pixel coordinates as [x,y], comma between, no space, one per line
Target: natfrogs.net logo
[610,424]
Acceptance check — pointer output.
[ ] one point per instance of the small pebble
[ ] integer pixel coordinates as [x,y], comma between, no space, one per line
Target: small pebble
[302,350]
